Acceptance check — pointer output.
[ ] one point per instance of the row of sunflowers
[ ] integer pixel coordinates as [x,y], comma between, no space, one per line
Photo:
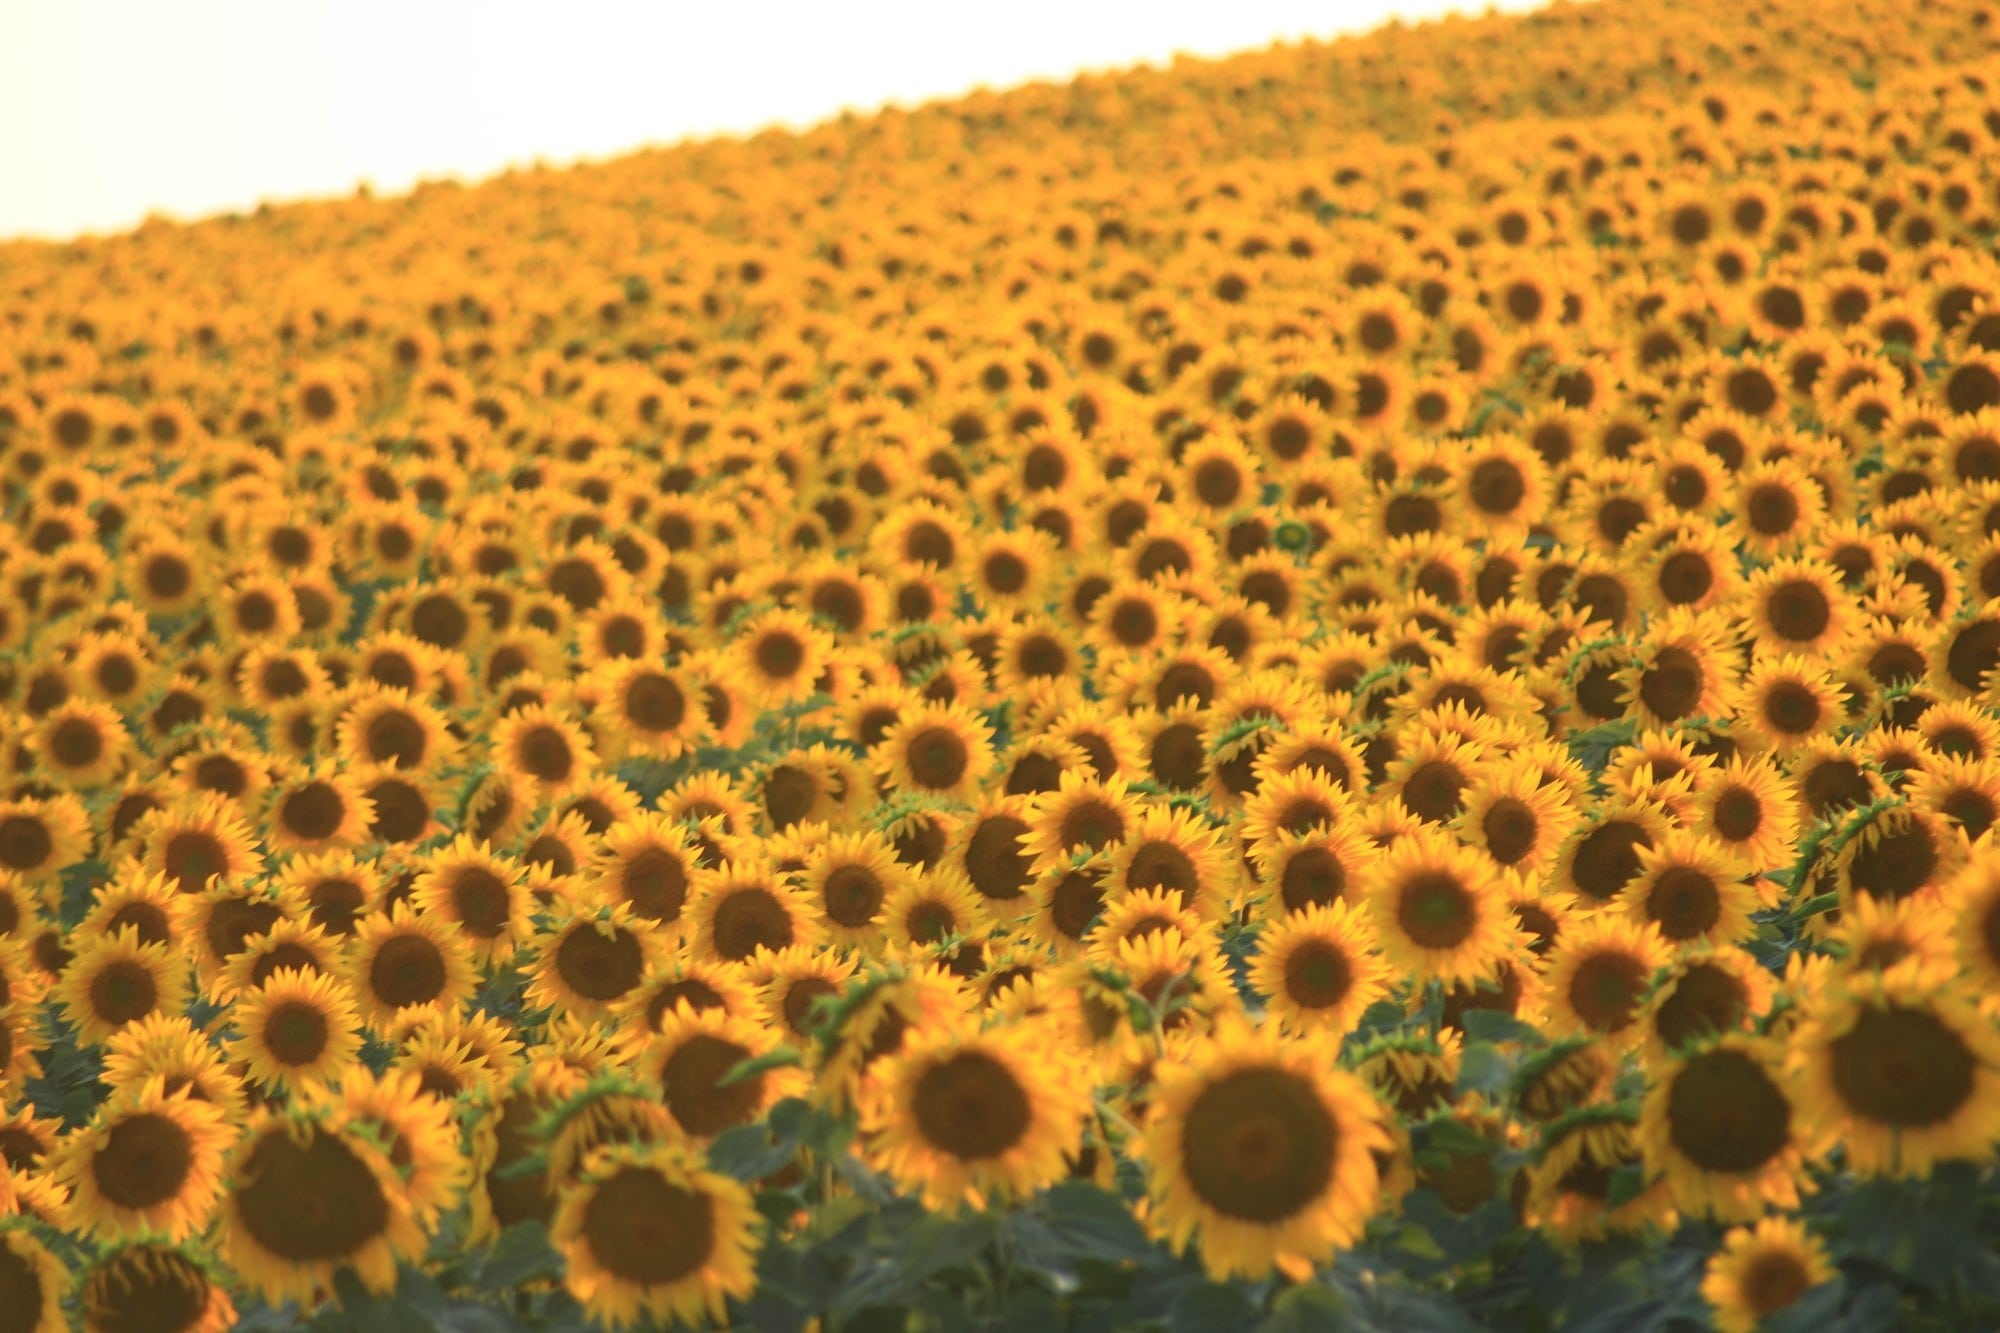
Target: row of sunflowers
[1347,688]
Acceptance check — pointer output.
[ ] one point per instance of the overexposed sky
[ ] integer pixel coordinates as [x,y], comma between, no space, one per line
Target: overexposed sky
[113,109]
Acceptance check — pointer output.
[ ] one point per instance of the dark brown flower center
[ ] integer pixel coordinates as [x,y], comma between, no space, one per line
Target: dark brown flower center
[1436,911]
[642,1229]
[1258,1145]
[971,1106]
[1902,1067]
[143,1162]
[308,1202]
[1725,1113]
[692,1085]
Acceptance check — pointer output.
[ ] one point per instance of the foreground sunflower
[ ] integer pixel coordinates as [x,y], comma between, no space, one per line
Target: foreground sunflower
[1900,1073]
[148,1162]
[1263,1148]
[308,1194]
[964,1115]
[1719,1125]
[649,1231]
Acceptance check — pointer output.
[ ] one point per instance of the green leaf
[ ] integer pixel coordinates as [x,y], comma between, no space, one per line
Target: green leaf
[1309,1308]
[521,1255]
[1628,1182]
[1211,1306]
[751,1152]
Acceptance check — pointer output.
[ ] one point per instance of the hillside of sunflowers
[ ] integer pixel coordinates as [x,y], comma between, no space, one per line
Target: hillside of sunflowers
[1356,687]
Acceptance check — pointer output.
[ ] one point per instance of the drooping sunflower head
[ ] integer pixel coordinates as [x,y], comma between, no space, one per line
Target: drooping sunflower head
[152,1285]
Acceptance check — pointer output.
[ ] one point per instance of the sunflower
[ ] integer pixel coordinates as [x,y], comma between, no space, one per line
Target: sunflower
[1319,867]
[1262,1147]
[289,943]
[1437,908]
[132,897]
[1503,485]
[746,907]
[872,1018]
[296,1029]
[1876,934]
[645,862]
[1599,973]
[1175,851]
[147,1163]
[170,1048]
[1683,670]
[1706,991]
[417,1132]
[1899,1071]
[317,809]
[81,744]
[1083,814]
[544,748]
[1602,857]
[1777,506]
[1690,887]
[1718,1124]
[931,909]
[936,750]
[1789,700]
[401,959]
[116,979]
[1296,802]
[40,837]
[332,890]
[650,1231]
[691,1058]
[1895,851]
[146,1284]
[1798,606]
[1515,817]
[385,726]
[965,1115]
[1319,969]
[778,654]
[1762,1270]
[589,957]
[986,851]
[199,840]
[308,1194]
[645,708]
[1750,807]
[1568,1189]
[480,892]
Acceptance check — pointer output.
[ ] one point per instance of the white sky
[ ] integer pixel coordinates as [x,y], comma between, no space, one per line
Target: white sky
[111,109]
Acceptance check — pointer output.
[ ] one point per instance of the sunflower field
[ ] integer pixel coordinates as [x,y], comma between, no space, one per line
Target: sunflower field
[1356,688]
